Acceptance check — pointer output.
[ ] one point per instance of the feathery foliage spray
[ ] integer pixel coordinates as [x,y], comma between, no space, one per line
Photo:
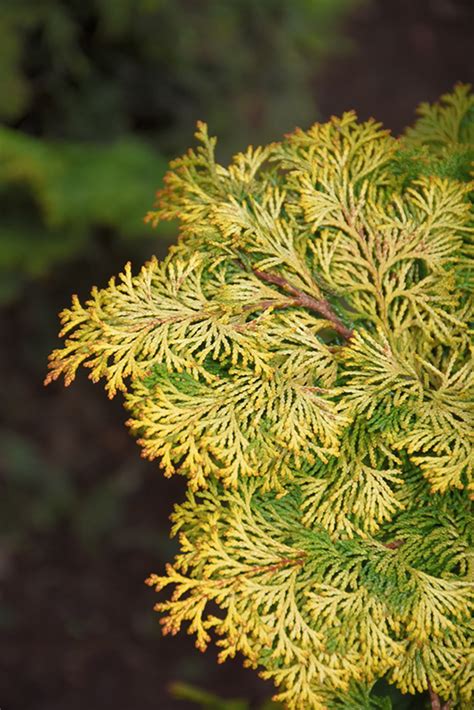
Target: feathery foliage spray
[302,356]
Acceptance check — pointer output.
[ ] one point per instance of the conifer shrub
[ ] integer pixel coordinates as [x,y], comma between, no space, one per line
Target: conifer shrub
[302,357]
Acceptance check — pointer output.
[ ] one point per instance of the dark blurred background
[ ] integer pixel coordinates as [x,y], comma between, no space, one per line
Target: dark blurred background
[95,97]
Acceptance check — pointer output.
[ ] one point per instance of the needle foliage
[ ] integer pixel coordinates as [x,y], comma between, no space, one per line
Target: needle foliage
[303,357]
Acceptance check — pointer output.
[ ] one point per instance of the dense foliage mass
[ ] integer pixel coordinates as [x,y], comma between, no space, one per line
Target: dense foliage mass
[302,356]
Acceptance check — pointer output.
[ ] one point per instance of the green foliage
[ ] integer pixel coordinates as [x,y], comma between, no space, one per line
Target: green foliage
[54,194]
[303,357]
[441,143]
[110,67]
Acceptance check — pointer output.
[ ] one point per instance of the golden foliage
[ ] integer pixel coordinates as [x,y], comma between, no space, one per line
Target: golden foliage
[303,357]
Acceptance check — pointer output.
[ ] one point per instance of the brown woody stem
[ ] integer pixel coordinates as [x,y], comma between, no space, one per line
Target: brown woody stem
[436,702]
[302,299]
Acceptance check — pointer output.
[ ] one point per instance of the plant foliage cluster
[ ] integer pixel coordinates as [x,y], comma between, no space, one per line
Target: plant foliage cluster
[303,357]
[94,92]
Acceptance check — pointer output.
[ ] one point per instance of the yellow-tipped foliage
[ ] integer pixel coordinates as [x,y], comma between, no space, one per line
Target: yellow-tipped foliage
[303,357]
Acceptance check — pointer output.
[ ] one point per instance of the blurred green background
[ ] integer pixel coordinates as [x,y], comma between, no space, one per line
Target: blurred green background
[95,97]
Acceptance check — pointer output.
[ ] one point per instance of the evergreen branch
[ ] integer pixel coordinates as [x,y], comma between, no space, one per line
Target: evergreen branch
[304,300]
[328,514]
[394,545]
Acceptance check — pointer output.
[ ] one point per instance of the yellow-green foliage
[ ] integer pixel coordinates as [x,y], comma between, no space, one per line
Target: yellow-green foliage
[303,357]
